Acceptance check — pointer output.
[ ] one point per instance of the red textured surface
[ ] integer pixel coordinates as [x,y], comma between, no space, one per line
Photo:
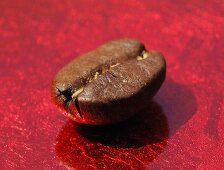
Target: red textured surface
[185,127]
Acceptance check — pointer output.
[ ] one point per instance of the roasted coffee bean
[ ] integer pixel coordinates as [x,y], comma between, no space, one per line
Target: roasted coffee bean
[109,84]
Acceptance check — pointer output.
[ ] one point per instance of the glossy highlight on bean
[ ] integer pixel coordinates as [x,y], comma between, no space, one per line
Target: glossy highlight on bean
[109,84]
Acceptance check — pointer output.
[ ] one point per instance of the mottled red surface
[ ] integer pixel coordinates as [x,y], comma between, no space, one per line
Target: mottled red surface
[182,128]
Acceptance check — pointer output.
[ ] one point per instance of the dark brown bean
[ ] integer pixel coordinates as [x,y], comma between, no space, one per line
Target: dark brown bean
[109,84]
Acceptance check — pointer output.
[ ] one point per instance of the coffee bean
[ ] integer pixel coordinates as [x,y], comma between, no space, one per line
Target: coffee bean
[109,84]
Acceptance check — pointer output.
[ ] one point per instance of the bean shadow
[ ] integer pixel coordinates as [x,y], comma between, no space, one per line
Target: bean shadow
[178,103]
[141,138]
[146,127]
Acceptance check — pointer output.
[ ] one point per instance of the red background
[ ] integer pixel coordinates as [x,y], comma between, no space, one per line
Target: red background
[185,124]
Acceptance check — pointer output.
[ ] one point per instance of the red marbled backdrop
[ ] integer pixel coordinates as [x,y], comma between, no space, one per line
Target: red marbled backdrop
[182,128]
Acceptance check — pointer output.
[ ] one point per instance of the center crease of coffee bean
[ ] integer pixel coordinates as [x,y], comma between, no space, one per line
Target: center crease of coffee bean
[75,94]
[104,69]
[145,54]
